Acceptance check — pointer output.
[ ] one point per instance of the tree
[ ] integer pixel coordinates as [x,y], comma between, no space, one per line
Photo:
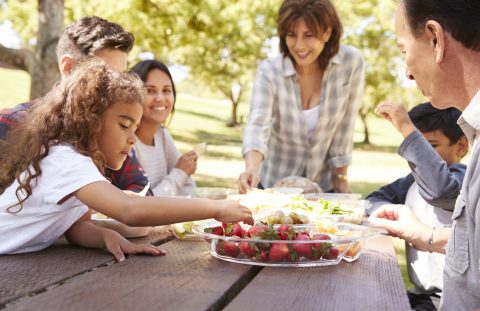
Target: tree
[39,59]
[224,41]
[369,26]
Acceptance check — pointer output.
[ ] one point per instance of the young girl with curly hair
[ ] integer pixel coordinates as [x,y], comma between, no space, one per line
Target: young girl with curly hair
[54,171]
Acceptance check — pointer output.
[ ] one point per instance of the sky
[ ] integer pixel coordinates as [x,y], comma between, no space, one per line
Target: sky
[8,36]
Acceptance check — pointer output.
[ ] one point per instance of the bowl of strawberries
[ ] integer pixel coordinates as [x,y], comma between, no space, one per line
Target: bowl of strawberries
[284,245]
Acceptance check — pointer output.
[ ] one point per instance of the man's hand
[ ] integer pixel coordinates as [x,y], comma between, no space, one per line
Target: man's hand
[400,222]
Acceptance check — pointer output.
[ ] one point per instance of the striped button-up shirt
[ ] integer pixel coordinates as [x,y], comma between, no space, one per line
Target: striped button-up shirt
[276,126]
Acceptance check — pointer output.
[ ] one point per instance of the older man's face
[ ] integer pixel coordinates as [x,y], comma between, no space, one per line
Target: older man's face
[419,58]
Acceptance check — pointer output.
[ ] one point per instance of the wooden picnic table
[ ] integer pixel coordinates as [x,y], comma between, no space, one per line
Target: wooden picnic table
[65,277]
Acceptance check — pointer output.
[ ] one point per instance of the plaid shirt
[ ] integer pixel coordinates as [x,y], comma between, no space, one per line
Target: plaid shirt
[276,126]
[130,177]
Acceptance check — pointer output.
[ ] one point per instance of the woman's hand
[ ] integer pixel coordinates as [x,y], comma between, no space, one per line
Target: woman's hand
[248,180]
[340,185]
[188,162]
[231,211]
[118,246]
[340,180]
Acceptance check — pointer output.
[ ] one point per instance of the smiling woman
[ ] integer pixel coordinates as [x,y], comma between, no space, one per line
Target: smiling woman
[168,171]
[304,102]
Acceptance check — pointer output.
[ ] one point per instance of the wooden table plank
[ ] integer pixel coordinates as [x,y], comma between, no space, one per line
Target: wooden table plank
[26,274]
[188,278]
[366,284]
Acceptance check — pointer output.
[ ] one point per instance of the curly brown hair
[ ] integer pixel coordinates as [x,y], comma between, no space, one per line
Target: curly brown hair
[70,114]
[319,15]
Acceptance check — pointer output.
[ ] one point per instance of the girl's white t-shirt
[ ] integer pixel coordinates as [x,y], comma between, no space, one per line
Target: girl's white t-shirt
[42,220]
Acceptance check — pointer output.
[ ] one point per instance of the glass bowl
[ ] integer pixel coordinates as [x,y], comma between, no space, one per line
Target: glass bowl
[214,193]
[312,245]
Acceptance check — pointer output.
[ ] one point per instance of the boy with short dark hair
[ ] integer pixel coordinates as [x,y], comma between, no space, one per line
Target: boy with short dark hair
[434,145]
[88,37]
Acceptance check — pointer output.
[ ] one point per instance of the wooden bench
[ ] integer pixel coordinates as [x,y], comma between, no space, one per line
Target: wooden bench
[65,277]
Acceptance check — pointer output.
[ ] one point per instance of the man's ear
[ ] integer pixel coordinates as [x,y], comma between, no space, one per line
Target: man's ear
[66,64]
[462,146]
[436,36]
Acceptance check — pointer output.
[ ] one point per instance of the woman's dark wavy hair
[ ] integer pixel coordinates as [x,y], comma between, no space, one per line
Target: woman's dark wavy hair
[460,18]
[70,114]
[427,118]
[319,15]
[144,67]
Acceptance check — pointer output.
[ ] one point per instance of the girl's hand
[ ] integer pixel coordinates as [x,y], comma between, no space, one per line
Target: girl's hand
[231,211]
[248,180]
[118,246]
[188,162]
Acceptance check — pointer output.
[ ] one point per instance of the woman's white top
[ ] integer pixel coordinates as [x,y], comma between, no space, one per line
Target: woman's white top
[159,163]
[42,219]
[311,119]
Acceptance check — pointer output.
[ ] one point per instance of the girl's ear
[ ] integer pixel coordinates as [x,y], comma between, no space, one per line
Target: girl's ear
[66,64]
[462,147]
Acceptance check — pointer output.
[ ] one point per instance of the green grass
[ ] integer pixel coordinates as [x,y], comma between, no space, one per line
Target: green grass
[15,87]
[203,120]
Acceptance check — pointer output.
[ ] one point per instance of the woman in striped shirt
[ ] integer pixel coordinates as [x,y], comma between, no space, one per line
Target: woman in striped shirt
[304,102]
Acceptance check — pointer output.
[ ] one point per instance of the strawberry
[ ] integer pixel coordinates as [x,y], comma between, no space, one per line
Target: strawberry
[286,232]
[321,236]
[249,249]
[323,248]
[262,255]
[231,249]
[258,232]
[234,230]
[278,252]
[214,230]
[303,249]
[333,253]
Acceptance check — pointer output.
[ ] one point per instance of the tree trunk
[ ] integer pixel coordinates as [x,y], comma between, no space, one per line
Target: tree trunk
[44,71]
[42,63]
[366,137]
[235,101]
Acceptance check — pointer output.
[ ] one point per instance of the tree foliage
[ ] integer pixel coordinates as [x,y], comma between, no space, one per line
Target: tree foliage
[222,41]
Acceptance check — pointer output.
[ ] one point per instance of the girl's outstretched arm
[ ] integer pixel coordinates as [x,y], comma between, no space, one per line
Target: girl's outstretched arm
[155,211]
[87,234]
